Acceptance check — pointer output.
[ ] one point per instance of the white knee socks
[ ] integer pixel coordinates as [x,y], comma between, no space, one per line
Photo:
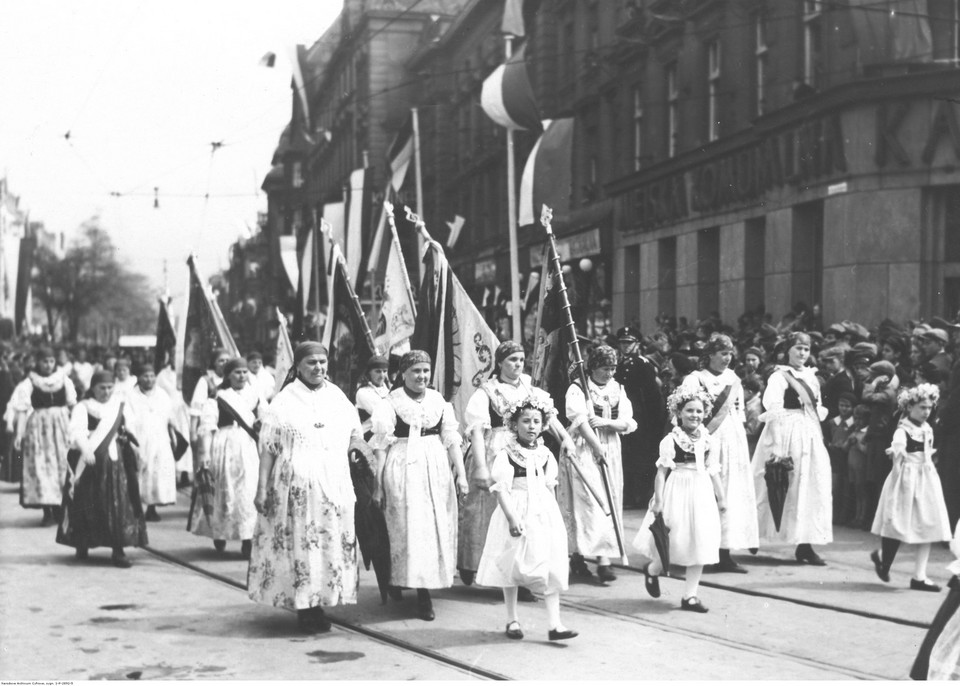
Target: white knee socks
[923,555]
[552,601]
[692,584]
[510,601]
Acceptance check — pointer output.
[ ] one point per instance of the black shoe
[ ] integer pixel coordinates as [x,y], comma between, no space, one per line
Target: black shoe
[605,573]
[731,567]
[152,514]
[578,567]
[396,593]
[525,595]
[425,606]
[561,634]
[184,480]
[320,619]
[925,585]
[219,545]
[754,551]
[48,518]
[651,583]
[884,574]
[467,576]
[121,561]
[692,604]
[246,546]
[807,554]
[514,631]
[82,553]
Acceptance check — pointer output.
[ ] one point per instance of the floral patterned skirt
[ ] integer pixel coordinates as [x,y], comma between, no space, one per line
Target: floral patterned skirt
[44,451]
[305,546]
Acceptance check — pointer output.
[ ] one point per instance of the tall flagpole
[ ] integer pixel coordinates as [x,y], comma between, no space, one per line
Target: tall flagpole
[512,222]
[316,273]
[419,179]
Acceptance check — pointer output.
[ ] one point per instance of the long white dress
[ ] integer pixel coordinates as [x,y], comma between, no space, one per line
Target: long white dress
[167,381]
[738,524]
[152,416]
[420,499]
[689,503]
[234,466]
[912,508]
[590,532]
[485,410]
[305,546]
[791,430]
[538,558]
[368,397]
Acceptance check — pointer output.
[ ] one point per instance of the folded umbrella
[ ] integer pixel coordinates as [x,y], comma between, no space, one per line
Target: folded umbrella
[661,539]
[777,476]
[180,449]
[371,527]
[202,492]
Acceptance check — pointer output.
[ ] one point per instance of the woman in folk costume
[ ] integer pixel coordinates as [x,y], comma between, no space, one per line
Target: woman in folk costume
[793,412]
[691,499]
[372,391]
[304,547]
[526,542]
[597,422]
[41,409]
[485,423]
[228,437]
[206,389]
[101,500]
[167,382]
[912,508]
[153,426]
[726,425]
[415,435]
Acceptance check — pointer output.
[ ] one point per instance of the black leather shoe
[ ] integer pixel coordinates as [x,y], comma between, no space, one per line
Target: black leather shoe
[578,567]
[320,619]
[925,585]
[525,595]
[651,583]
[467,576]
[152,515]
[754,551]
[425,606]
[121,561]
[219,545]
[807,555]
[82,553]
[884,574]
[692,604]
[307,621]
[561,634]
[514,631]
[396,593]
[605,573]
[731,567]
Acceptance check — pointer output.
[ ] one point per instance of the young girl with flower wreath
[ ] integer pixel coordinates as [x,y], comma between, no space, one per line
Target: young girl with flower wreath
[526,542]
[911,508]
[691,500]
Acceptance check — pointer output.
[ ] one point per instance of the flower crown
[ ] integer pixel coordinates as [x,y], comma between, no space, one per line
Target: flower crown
[681,397]
[912,396]
[512,409]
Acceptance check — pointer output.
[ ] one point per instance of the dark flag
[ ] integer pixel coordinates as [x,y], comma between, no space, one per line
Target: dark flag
[28,246]
[345,334]
[205,331]
[166,346]
[551,357]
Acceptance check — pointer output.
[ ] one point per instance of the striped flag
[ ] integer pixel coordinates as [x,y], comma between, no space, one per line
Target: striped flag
[451,329]
[356,245]
[507,96]
[546,178]
[400,154]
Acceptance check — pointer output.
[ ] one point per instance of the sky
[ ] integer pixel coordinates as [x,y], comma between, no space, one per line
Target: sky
[106,97]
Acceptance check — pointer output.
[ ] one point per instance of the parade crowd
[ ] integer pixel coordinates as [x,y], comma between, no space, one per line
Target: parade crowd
[730,438]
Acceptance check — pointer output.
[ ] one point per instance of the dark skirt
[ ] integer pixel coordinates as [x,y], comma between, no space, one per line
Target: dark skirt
[951,604]
[105,509]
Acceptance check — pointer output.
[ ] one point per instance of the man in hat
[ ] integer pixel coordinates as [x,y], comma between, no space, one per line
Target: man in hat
[833,333]
[839,379]
[638,376]
[933,343]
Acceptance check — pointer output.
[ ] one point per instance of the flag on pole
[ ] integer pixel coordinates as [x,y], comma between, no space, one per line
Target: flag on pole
[298,60]
[507,96]
[516,15]
[356,246]
[546,178]
[456,226]
[306,316]
[451,329]
[345,332]
[398,313]
[164,352]
[551,361]
[288,258]
[400,154]
[205,331]
[283,358]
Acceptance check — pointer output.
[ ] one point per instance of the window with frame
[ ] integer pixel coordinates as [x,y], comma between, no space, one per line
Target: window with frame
[713,90]
[812,41]
[760,63]
[673,109]
[637,127]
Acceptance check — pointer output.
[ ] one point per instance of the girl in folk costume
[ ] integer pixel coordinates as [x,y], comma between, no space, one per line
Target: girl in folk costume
[912,508]
[123,380]
[692,500]
[153,426]
[793,415]
[485,423]
[305,547]
[101,500]
[167,382]
[229,450]
[597,422]
[726,425]
[526,542]
[416,441]
[372,391]
[40,405]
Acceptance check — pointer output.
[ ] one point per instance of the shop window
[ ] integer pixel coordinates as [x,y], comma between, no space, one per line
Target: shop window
[708,271]
[667,276]
[807,247]
[754,249]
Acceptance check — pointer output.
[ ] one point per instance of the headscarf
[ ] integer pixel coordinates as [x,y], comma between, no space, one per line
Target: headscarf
[601,356]
[505,350]
[377,362]
[303,350]
[230,367]
[797,337]
[101,376]
[414,357]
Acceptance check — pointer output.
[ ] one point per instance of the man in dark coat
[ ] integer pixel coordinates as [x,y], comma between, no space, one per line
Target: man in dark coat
[638,376]
[839,379]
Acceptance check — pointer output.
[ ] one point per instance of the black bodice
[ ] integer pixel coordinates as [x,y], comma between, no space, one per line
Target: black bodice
[225,418]
[681,456]
[519,471]
[402,429]
[41,400]
[914,446]
[496,421]
[791,400]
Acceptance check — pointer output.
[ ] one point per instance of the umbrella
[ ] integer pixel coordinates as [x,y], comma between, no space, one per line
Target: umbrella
[777,476]
[202,491]
[661,539]
[180,449]
[371,527]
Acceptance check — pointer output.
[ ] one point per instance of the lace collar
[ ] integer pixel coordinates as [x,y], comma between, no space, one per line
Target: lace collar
[48,384]
[523,456]
[687,442]
[917,433]
[608,394]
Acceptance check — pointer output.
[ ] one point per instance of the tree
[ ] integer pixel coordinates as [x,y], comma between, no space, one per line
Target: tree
[91,285]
